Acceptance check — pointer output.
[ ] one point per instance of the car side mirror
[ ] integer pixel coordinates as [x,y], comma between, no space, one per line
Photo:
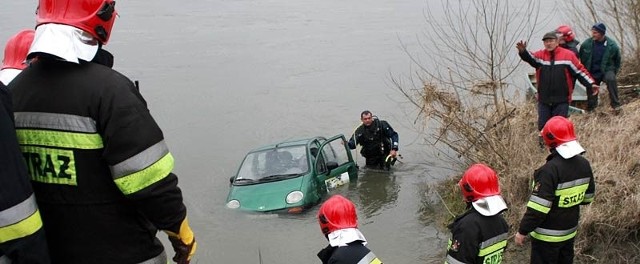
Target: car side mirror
[331,165]
[231,180]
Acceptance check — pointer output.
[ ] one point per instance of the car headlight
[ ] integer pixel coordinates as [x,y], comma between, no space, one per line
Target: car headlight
[294,197]
[233,204]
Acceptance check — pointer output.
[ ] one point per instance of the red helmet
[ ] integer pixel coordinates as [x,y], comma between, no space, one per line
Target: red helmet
[337,213]
[93,16]
[557,131]
[479,181]
[15,52]
[566,32]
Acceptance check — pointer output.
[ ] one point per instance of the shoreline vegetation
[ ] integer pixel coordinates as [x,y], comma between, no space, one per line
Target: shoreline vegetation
[609,229]
[465,97]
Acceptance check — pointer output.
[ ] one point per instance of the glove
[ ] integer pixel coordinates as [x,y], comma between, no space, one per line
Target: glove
[183,243]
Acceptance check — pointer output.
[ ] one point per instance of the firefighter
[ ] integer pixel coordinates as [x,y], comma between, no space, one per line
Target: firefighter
[567,39]
[22,238]
[339,224]
[99,164]
[560,186]
[15,55]
[480,234]
[378,139]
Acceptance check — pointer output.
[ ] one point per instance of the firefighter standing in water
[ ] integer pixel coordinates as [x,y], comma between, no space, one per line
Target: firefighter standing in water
[480,234]
[378,139]
[560,186]
[100,167]
[22,238]
[339,224]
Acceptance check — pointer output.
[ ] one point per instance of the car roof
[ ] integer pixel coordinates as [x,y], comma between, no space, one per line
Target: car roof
[289,142]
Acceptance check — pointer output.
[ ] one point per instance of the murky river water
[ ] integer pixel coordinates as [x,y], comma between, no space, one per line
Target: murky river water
[224,76]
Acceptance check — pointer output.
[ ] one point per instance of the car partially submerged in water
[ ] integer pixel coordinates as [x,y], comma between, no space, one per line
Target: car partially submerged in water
[291,176]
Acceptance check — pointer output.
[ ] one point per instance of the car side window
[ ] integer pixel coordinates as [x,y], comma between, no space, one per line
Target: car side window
[335,151]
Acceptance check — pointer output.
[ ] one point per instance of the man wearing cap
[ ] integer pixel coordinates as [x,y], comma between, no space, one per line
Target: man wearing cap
[560,186]
[556,69]
[601,55]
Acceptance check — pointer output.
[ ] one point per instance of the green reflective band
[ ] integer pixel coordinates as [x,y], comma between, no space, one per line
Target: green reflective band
[370,258]
[493,258]
[18,212]
[550,235]
[547,238]
[449,244]
[538,207]
[139,180]
[576,189]
[492,248]
[540,201]
[47,165]
[23,228]
[571,196]
[59,139]
[140,161]
[573,183]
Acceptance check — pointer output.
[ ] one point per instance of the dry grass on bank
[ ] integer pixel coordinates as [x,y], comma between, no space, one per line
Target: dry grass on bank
[609,229]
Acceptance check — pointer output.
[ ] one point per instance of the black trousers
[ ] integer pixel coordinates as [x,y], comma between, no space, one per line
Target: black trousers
[551,253]
[376,162]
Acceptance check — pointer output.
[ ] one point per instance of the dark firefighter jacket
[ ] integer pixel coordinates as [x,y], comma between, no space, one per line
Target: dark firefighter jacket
[19,214]
[377,140]
[572,46]
[477,238]
[354,253]
[555,72]
[98,161]
[559,187]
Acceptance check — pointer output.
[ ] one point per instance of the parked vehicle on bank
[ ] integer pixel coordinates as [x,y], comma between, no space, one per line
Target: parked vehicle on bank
[291,176]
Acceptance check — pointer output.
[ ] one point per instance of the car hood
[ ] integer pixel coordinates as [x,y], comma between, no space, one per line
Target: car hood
[266,196]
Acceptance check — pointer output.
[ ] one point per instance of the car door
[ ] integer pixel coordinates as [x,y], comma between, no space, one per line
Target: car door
[334,164]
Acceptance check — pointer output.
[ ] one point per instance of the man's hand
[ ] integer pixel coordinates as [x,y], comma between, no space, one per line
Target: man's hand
[520,239]
[183,243]
[393,153]
[183,251]
[521,46]
[595,89]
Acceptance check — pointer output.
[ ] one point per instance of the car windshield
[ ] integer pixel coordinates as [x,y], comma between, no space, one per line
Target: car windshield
[273,164]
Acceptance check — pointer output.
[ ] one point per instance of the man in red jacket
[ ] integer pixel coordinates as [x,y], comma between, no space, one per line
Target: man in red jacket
[556,68]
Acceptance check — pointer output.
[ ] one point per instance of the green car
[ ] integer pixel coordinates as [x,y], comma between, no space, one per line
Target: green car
[291,176]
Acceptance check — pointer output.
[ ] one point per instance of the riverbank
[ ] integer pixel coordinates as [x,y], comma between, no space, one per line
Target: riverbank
[609,227]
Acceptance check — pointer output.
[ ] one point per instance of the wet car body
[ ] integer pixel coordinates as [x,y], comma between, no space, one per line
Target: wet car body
[291,176]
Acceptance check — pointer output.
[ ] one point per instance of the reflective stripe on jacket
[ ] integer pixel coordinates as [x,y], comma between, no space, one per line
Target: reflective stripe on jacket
[20,218]
[98,161]
[555,73]
[354,253]
[477,239]
[559,187]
